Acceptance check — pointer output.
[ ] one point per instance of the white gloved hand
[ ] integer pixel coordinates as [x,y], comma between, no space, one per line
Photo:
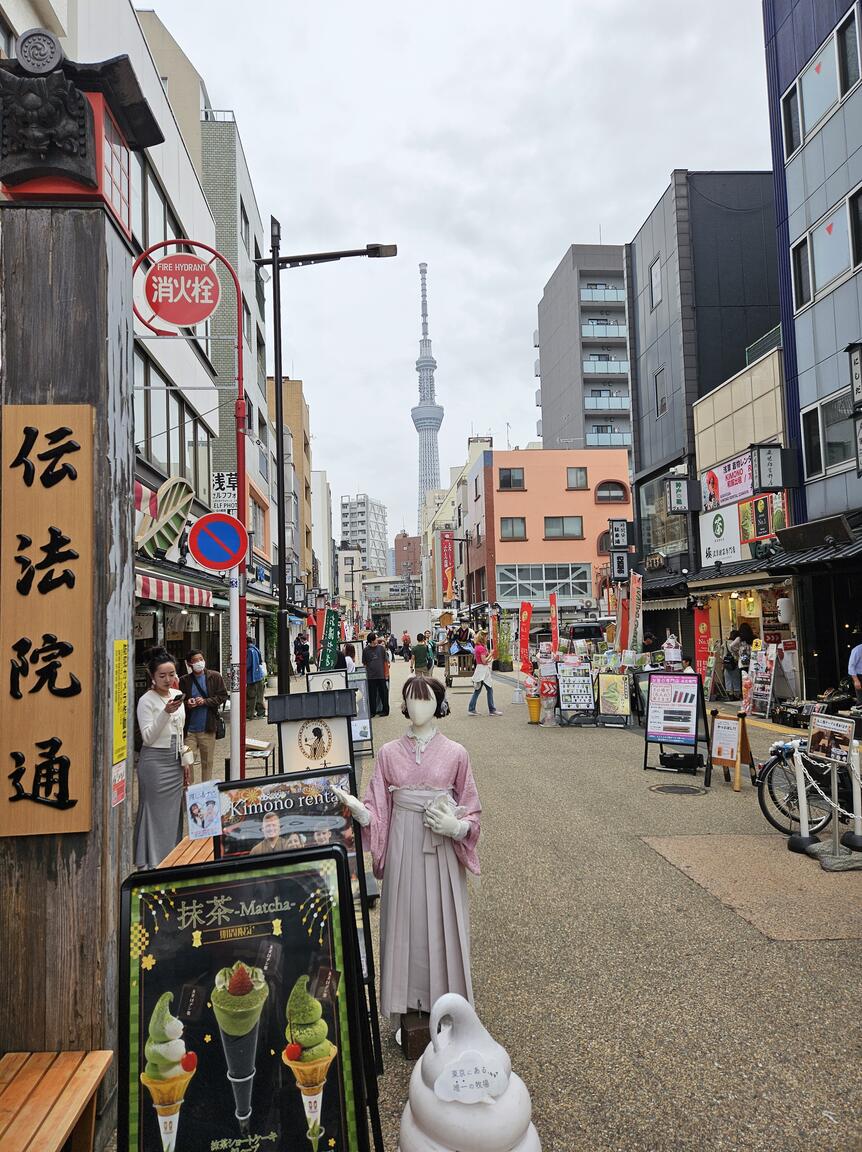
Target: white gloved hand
[446,823]
[358,810]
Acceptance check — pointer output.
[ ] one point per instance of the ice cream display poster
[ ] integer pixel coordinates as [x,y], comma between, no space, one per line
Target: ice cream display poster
[239,1015]
[614,695]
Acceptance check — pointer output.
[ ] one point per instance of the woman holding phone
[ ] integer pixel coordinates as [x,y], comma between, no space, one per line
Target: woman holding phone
[161,776]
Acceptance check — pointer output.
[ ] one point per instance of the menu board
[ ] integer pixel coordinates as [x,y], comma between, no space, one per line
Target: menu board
[239,1015]
[724,746]
[613,695]
[672,708]
[830,737]
[575,683]
[360,725]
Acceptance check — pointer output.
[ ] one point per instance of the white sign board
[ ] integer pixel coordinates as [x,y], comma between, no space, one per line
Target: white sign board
[619,533]
[766,472]
[224,490]
[727,483]
[719,537]
[576,688]
[619,565]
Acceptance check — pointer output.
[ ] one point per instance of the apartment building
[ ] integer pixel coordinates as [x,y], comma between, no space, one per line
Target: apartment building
[363,523]
[321,529]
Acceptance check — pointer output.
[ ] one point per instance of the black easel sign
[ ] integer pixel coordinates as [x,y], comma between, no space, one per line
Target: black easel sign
[240,1008]
[675,716]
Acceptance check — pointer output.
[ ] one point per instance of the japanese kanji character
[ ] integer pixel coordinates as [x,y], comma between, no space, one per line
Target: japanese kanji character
[55,471]
[221,910]
[191,914]
[182,292]
[50,776]
[56,553]
[52,652]
[163,289]
[202,290]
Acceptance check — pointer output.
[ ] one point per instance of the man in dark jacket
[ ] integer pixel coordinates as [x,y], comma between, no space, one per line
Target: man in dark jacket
[205,693]
[374,658]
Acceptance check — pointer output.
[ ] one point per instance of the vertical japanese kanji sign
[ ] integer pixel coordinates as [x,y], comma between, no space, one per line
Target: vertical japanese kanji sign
[46,619]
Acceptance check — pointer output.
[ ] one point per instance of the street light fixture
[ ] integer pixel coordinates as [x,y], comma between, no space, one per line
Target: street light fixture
[275,262]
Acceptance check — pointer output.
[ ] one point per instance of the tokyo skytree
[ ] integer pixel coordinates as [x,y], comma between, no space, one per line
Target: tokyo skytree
[427,415]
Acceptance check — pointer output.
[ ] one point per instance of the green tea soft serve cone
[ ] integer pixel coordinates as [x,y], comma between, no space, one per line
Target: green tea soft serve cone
[168,1070]
[238,998]
[308,1053]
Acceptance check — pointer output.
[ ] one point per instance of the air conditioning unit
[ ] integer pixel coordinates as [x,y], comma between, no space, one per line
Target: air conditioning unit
[588,603]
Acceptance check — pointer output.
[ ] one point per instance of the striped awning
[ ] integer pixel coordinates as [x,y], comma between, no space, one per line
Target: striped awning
[172,592]
[145,500]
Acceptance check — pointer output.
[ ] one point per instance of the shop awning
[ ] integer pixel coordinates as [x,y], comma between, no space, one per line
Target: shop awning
[668,602]
[171,591]
[744,573]
[664,583]
[816,557]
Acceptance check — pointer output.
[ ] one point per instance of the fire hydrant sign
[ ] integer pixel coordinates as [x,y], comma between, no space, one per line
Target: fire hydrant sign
[240,999]
[182,289]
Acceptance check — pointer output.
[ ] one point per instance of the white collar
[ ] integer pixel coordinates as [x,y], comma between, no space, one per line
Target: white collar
[421,742]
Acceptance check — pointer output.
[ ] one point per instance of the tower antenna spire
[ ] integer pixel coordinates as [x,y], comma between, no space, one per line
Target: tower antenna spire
[428,414]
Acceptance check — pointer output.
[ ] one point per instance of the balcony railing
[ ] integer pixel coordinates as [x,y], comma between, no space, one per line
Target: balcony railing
[606,367]
[220,115]
[604,331]
[609,439]
[766,343]
[607,403]
[604,295]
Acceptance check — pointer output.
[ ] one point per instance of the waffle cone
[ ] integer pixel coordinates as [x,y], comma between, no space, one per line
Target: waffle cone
[310,1075]
[167,1095]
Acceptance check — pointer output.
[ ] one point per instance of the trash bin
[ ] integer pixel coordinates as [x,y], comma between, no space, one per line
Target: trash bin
[534,704]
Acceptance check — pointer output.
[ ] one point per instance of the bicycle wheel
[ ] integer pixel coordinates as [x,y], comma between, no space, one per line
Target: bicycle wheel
[779,800]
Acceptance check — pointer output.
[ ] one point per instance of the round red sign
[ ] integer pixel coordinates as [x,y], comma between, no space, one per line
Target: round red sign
[182,289]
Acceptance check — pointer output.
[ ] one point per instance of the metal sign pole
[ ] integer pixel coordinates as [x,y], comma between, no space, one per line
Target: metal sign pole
[236,761]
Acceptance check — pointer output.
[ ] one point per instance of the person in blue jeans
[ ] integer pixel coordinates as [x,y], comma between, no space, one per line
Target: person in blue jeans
[482,676]
[255,681]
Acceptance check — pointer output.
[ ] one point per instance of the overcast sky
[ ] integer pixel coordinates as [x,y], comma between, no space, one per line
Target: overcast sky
[483,138]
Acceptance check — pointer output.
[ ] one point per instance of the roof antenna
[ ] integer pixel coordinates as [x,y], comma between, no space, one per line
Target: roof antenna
[508,426]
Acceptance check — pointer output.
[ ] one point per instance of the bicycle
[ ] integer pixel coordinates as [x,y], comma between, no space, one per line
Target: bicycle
[777,792]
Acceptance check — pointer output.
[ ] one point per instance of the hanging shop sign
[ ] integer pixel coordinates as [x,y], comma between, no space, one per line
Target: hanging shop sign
[46,618]
[223,497]
[672,708]
[447,565]
[618,530]
[162,525]
[830,737]
[636,605]
[575,683]
[619,565]
[859,444]
[855,351]
[719,537]
[767,473]
[727,483]
[329,643]
[182,289]
[676,495]
[655,561]
[226,972]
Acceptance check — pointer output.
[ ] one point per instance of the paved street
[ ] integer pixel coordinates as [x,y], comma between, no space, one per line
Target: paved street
[643,1011]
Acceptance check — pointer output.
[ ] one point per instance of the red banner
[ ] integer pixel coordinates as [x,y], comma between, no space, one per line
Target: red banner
[526,615]
[702,638]
[555,624]
[447,565]
[495,635]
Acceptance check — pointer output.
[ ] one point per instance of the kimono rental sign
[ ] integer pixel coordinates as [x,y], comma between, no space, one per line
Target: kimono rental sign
[46,618]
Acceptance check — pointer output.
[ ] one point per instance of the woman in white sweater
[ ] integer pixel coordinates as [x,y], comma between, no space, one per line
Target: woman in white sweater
[161,716]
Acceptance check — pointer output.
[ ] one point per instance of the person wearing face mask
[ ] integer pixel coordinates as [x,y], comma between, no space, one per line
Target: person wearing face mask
[422,813]
[205,693]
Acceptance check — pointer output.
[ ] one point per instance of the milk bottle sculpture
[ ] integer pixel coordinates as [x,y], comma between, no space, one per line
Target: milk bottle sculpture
[464,1095]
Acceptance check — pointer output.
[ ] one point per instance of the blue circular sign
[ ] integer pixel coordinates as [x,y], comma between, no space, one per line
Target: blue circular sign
[218,541]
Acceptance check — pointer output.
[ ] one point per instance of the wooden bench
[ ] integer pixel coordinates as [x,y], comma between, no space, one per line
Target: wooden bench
[188,851]
[47,1098]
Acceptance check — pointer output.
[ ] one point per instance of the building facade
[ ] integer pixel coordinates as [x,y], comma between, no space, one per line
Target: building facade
[582,352]
[363,523]
[298,423]
[815,110]
[321,529]
[537,523]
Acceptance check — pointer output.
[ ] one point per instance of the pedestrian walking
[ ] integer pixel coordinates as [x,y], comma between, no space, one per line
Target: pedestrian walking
[392,645]
[482,676]
[301,652]
[421,657]
[405,644]
[255,681]
[374,659]
[205,693]
[161,775]
[730,664]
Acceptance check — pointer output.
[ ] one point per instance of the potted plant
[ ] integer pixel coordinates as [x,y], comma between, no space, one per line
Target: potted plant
[503,663]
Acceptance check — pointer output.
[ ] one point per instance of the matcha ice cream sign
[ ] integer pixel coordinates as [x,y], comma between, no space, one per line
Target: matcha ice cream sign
[240,1027]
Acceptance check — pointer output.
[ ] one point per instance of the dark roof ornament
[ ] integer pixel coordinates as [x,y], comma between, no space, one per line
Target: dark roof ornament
[38,52]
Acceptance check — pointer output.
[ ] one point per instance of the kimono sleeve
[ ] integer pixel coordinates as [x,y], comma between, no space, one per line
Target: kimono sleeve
[378,800]
[467,798]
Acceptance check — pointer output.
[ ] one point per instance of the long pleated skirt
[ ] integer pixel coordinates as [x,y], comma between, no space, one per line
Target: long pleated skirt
[424,913]
[159,824]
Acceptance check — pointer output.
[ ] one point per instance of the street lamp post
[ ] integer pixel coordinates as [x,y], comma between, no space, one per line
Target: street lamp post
[276,262]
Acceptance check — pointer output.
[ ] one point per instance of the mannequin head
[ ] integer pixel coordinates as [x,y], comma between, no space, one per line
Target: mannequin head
[424,700]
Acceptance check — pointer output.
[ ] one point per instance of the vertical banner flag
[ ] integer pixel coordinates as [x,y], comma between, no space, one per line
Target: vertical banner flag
[636,604]
[555,624]
[329,640]
[447,565]
[702,639]
[526,614]
[495,634]
[621,634]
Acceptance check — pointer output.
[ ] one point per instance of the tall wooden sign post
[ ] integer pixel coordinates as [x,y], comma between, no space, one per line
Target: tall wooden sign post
[66,554]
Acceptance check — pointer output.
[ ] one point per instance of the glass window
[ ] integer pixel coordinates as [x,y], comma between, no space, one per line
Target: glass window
[564,527]
[830,248]
[158,431]
[511,477]
[190,450]
[660,393]
[246,323]
[801,274]
[655,282]
[243,227]
[838,440]
[811,441]
[848,54]
[155,214]
[819,86]
[576,478]
[604,544]
[140,405]
[792,127]
[137,178]
[175,434]
[512,528]
[856,226]
[661,532]
[612,492]
[7,38]
[203,462]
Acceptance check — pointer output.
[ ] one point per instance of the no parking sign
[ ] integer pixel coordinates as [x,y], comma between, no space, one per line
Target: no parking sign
[218,541]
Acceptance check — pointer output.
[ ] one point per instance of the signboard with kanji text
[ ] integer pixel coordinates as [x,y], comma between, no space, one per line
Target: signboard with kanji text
[182,289]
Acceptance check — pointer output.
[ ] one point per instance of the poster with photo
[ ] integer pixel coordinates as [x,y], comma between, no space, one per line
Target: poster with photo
[575,683]
[830,737]
[329,681]
[672,708]
[203,810]
[614,695]
[239,1008]
[360,725]
[314,744]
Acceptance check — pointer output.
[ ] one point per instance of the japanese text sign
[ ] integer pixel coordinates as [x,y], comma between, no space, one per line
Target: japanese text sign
[766,470]
[224,489]
[727,483]
[676,494]
[471,1078]
[619,533]
[672,709]
[182,289]
[46,618]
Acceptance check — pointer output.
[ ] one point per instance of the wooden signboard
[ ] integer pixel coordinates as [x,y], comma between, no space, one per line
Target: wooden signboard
[46,618]
[240,1012]
[729,748]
